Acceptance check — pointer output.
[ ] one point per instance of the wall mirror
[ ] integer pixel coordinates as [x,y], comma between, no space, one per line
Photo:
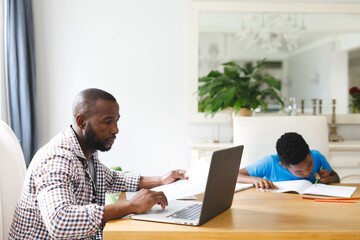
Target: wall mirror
[313,48]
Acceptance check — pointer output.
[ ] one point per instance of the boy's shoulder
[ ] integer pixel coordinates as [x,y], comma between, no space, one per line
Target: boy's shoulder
[315,153]
[269,159]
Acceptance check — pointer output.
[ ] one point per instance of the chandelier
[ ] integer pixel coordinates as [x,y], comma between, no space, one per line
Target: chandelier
[272,31]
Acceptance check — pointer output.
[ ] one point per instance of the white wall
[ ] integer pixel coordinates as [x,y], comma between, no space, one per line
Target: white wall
[309,73]
[136,50]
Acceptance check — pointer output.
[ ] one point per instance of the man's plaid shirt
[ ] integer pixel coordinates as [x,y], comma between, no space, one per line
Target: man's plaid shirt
[59,199]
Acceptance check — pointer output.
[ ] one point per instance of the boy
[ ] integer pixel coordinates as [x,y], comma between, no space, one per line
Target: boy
[294,161]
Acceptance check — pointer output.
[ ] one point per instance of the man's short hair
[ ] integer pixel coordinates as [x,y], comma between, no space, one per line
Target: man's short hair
[85,101]
[292,148]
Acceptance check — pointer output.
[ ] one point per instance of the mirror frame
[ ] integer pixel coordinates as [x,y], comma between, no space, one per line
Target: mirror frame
[196,7]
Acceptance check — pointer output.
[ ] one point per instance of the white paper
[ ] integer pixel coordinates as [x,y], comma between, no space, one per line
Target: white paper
[183,189]
[242,186]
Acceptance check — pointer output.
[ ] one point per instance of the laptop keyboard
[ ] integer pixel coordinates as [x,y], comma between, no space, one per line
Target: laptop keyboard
[191,212]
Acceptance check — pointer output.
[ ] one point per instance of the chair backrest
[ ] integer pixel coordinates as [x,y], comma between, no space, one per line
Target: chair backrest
[259,134]
[12,175]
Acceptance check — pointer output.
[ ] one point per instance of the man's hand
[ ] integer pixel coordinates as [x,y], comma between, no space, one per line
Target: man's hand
[173,176]
[151,182]
[264,184]
[146,199]
[323,176]
[140,203]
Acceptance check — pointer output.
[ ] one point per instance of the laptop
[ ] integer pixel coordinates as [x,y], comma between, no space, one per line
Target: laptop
[218,196]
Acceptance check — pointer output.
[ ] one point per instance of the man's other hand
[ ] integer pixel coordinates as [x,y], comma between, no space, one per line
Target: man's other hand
[172,176]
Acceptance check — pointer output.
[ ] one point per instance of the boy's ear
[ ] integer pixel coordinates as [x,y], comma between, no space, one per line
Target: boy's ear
[284,165]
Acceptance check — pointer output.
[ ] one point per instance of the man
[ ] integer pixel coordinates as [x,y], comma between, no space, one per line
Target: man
[294,161]
[64,191]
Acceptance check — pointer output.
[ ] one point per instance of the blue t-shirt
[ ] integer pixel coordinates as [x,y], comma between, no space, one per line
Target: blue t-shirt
[270,168]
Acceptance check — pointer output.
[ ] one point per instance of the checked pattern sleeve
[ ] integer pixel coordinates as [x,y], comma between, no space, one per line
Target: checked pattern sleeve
[117,181]
[61,212]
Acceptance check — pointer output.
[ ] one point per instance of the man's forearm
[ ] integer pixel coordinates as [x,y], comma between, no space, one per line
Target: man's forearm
[149,182]
[115,211]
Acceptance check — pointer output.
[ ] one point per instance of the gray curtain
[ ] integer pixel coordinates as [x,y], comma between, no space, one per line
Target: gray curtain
[21,74]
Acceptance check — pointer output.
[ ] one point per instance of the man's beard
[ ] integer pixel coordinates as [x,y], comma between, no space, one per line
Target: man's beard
[92,141]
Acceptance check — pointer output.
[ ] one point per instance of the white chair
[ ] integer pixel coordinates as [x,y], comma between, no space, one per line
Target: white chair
[350,179]
[12,175]
[259,134]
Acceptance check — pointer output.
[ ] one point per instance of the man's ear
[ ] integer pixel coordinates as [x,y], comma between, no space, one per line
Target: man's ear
[80,121]
[284,165]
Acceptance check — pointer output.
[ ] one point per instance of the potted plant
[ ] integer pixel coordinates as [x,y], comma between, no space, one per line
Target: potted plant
[239,89]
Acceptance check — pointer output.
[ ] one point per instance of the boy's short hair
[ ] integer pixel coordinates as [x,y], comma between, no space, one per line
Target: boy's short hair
[292,148]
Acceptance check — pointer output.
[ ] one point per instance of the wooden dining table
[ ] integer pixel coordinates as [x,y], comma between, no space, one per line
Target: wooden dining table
[256,215]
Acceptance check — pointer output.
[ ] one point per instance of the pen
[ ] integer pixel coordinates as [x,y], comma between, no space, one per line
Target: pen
[334,201]
[313,198]
[317,179]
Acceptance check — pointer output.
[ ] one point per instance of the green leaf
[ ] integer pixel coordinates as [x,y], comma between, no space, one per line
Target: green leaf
[218,101]
[243,70]
[237,106]
[116,168]
[231,64]
[243,100]
[274,94]
[205,79]
[263,104]
[231,72]
[229,97]
[244,79]
[214,74]
[254,86]
[272,82]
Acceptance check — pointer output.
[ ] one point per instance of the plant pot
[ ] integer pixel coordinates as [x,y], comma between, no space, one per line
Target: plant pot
[244,112]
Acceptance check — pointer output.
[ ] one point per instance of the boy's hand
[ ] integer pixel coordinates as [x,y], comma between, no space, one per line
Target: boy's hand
[323,176]
[264,184]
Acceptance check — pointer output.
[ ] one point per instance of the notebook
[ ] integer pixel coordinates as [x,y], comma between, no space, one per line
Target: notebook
[306,187]
[218,196]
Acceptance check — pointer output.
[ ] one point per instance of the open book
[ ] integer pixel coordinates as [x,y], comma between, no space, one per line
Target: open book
[306,187]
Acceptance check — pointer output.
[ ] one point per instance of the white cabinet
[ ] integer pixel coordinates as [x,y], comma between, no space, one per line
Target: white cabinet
[344,157]
[205,149]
